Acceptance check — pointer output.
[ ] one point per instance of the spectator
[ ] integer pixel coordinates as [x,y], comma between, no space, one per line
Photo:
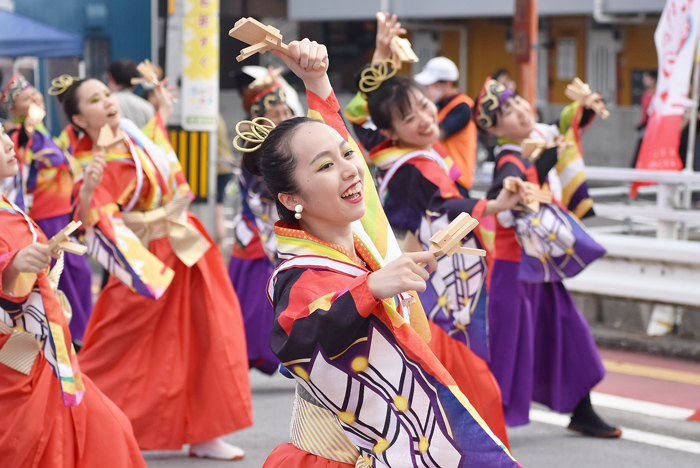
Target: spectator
[503,76]
[5,119]
[225,165]
[649,82]
[132,107]
[457,128]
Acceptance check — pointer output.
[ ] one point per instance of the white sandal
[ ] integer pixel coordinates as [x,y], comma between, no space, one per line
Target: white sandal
[216,449]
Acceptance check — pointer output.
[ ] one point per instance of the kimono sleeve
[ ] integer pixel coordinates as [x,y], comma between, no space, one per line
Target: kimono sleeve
[570,113]
[419,186]
[328,112]
[357,113]
[508,165]
[318,307]
[10,244]
[155,130]
[113,245]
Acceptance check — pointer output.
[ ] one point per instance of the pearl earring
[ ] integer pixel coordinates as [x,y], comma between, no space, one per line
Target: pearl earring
[298,210]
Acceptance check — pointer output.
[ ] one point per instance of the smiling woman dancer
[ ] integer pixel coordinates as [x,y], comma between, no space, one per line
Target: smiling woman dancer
[43,188]
[165,340]
[52,417]
[369,390]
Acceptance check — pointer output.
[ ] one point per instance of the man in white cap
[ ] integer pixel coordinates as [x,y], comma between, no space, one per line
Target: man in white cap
[457,128]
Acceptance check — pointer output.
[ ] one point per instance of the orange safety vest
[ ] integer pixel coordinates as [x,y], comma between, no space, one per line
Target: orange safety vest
[461,146]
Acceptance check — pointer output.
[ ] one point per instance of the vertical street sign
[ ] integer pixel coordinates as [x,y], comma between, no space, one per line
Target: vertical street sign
[521,31]
[200,72]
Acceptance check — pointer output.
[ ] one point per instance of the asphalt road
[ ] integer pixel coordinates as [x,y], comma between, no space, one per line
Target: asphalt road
[537,445]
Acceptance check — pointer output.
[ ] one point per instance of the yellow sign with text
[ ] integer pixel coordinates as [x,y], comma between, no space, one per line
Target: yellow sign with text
[200,78]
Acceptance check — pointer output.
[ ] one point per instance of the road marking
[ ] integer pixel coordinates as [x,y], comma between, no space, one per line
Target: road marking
[633,435]
[653,372]
[647,408]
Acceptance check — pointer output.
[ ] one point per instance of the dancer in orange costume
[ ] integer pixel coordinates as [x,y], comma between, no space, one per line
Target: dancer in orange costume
[51,415]
[166,339]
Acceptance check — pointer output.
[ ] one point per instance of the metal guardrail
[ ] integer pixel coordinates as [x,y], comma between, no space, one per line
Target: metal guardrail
[660,270]
[643,268]
[666,210]
[623,174]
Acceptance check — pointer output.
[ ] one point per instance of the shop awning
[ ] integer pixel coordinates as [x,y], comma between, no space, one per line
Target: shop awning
[21,36]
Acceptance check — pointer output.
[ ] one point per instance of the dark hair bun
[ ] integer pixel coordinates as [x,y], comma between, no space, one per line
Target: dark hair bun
[251,162]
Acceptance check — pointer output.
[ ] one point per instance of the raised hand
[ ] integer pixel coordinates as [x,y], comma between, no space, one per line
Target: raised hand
[387,28]
[594,101]
[401,275]
[164,98]
[305,62]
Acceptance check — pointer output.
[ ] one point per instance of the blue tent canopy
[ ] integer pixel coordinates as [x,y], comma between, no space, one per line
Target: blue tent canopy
[21,36]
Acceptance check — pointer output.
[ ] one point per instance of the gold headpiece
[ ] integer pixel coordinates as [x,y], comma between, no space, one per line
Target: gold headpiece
[260,128]
[61,84]
[373,76]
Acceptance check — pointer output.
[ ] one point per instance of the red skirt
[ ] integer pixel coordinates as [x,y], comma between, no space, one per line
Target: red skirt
[176,366]
[288,456]
[473,378]
[39,431]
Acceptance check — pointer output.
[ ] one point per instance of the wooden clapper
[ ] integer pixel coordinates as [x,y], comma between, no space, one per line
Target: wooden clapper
[531,202]
[579,91]
[148,75]
[532,149]
[446,242]
[107,138]
[260,37]
[61,241]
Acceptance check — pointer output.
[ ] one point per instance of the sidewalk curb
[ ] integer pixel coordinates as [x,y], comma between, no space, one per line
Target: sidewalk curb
[668,346]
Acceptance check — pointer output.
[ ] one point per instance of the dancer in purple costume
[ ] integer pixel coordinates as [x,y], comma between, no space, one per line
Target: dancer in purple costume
[541,346]
[254,254]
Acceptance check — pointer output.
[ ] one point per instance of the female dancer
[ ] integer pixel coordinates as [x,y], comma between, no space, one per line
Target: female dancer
[165,340]
[541,346]
[420,195]
[370,392]
[254,253]
[51,415]
[43,188]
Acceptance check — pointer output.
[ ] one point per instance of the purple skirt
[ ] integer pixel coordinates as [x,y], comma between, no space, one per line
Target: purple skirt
[541,346]
[76,279]
[249,278]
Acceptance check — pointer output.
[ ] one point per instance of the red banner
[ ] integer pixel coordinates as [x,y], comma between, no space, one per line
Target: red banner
[522,39]
[675,39]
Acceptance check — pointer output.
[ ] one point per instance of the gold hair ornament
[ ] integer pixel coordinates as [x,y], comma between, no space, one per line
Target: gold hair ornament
[260,128]
[61,84]
[373,76]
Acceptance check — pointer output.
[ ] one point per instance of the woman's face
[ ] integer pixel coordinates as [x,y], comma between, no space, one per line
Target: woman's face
[278,113]
[25,99]
[418,128]
[516,120]
[329,176]
[8,161]
[97,107]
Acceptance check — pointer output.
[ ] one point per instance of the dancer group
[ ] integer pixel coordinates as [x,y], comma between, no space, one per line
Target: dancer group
[399,358]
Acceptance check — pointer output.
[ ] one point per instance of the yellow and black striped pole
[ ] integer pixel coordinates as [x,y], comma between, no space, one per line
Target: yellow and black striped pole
[192,149]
